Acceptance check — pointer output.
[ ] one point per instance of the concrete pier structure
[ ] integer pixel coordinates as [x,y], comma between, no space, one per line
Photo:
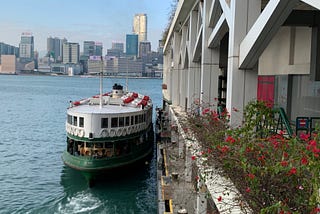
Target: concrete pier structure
[227,53]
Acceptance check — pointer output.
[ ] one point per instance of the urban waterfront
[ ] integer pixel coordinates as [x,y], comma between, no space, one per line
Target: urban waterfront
[33,178]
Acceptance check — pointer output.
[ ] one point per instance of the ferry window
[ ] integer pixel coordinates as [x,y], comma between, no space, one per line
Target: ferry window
[81,121]
[114,122]
[69,119]
[127,121]
[140,118]
[104,122]
[75,120]
[121,121]
[136,121]
[132,120]
[144,118]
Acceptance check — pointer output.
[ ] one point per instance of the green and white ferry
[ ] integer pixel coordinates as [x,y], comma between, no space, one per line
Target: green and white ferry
[108,131]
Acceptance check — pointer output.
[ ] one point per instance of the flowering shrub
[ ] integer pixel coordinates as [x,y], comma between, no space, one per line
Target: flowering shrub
[274,174]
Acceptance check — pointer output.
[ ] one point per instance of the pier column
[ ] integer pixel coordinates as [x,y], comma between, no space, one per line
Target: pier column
[175,81]
[201,198]
[241,84]
[167,76]
[193,80]
[209,62]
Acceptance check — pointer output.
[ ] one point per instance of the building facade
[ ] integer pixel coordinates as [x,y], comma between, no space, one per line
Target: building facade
[6,49]
[8,64]
[88,48]
[26,47]
[144,48]
[54,48]
[140,26]
[92,48]
[227,53]
[71,53]
[132,45]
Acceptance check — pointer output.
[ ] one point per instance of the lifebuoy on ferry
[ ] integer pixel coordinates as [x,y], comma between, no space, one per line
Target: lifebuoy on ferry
[119,132]
[112,133]
[124,131]
[129,130]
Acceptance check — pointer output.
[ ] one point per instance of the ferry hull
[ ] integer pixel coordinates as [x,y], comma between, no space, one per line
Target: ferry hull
[97,168]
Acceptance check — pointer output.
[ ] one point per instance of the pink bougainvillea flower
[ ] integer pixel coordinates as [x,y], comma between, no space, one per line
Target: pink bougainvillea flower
[248,189]
[292,171]
[312,143]
[251,176]
[304,136]
[224,149]
[284,163]
[304,161]
[193,157]
[205,111]
[285,155]
[230,139]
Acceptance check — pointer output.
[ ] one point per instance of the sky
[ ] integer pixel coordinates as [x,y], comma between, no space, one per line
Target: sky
[103,21]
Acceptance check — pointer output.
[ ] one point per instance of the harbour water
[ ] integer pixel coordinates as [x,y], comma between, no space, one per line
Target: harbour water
[33,178]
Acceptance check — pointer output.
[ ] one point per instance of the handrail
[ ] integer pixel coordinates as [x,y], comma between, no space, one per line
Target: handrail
[282,121]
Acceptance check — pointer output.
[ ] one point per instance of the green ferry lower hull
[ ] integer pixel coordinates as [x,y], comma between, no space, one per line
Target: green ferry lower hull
[94,168]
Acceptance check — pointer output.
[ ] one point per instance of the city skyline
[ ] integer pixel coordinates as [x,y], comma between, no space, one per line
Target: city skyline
[79,22]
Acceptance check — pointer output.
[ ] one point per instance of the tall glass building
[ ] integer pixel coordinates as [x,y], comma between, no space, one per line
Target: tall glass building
[131,44]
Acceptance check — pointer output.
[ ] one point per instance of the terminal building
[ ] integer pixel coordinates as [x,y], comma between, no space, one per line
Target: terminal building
[228,52]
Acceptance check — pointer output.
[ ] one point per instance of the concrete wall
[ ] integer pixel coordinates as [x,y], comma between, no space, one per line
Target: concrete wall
[289,52]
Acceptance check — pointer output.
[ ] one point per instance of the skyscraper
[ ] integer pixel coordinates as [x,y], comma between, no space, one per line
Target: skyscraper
[132,45]
[71,53]
[88,48]
[54,48]
[26,47]
[140,26]
[91,48]
[144,48]
[117,46]
[98,47]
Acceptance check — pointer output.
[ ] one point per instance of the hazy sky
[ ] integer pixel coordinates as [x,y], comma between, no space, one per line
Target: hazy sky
[79,20]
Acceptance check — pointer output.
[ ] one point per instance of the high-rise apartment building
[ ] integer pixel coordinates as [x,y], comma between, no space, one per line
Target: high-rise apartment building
[88,48]
[91,48]
[140,26]
[144,48]
[71,53]
[116,50]
[26,47]
[54,48]
[132,45]
[98,47]
[118,46]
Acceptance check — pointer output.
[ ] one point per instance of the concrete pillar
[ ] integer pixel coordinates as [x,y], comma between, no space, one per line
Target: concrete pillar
[175,81]
[209,62]
[243,15]
[193,68]
[167,75]
[201,198]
